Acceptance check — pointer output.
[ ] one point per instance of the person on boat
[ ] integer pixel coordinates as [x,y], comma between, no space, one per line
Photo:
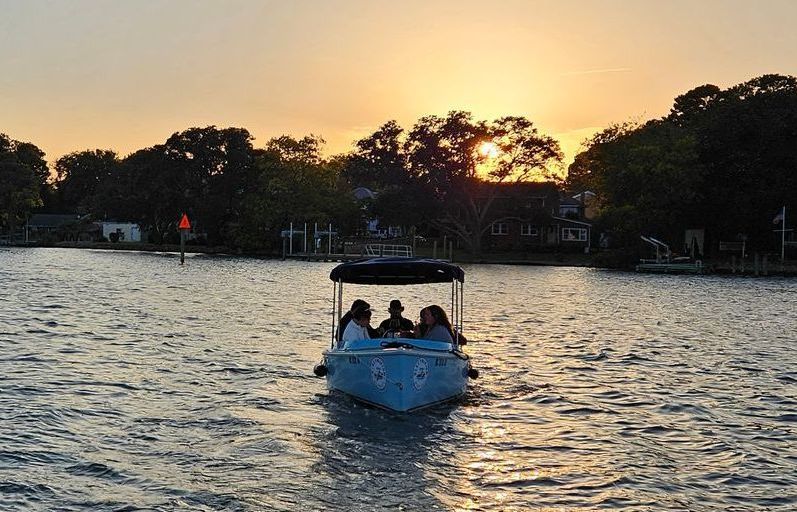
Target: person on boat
[396,324]
[357,328]
[345,319]
[434,325]
[421,327]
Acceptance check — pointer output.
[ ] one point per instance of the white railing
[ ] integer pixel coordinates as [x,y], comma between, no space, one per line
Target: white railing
[388,250]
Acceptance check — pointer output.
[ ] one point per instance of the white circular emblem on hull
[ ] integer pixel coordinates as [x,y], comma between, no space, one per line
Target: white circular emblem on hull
[378,373]
[419,373]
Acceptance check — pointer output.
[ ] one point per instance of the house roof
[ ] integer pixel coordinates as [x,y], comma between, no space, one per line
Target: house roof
[361,193]
[573,221]
[118,222]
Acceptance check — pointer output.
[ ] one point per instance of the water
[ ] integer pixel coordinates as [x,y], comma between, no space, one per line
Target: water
[128,382]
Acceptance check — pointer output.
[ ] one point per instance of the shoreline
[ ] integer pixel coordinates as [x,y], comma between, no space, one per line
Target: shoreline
[722,268]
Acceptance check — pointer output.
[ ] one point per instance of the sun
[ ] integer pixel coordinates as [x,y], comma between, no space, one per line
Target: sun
[488,150]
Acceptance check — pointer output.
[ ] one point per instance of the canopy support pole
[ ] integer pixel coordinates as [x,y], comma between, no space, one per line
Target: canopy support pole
[340,305]
[334,297]
[461,306]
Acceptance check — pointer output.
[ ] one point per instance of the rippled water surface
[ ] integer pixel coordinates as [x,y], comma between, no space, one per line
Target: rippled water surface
[128,382]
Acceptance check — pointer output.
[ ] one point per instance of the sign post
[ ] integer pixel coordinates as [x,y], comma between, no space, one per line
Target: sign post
[184,227]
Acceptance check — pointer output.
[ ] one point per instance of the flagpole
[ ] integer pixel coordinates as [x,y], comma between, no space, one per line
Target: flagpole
[783,237]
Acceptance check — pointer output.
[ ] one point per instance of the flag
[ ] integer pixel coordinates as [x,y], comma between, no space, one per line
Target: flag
[779,217]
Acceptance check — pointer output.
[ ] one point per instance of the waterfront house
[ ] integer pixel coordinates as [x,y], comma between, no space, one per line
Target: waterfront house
[532,217]
[52,227]
[120,231]
[588,200]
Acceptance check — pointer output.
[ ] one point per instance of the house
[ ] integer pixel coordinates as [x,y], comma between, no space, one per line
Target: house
[531,217]
[579,206]
[51,227]
[571,208]
[590,204]
[120,231]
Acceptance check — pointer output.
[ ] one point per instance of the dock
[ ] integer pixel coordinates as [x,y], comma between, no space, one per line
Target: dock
[368,251]
[323,257]
[672,268]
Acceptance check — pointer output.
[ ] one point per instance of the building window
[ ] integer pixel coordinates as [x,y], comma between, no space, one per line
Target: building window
[565,210]
[528,230]
[500,228]
[574,235]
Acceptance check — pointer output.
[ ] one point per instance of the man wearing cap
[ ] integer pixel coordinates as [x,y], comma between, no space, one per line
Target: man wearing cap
[396,323]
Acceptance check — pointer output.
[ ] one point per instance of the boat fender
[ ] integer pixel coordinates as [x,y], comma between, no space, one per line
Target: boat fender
[320,370]
[473,373]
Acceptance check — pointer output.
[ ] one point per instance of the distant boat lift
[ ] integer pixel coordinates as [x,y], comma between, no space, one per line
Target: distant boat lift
[288,234]
[667,264]
[658,244]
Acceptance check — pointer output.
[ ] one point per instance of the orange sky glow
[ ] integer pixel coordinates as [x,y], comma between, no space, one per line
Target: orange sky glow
[91,74]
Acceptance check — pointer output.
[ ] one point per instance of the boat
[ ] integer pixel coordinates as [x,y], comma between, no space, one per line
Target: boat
[398,373]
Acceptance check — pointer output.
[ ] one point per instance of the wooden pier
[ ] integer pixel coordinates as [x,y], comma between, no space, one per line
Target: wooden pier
[323,257]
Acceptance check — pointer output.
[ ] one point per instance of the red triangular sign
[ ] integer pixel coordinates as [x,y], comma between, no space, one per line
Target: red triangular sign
[184,224]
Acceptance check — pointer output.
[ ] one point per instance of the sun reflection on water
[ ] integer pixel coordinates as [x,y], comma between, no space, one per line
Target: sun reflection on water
[597,390]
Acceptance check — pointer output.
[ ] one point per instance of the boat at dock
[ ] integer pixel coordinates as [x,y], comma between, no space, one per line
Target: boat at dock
[666,263]
[398,373]
[671,267]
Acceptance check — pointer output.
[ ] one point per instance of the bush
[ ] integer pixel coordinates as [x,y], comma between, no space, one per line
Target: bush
[616,258]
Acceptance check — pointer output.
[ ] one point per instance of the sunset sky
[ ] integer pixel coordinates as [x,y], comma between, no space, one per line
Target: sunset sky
[86,74]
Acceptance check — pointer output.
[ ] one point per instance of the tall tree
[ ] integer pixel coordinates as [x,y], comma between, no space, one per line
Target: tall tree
[150,192]
[588,165]
[21,173]
[291,182]
[80,176]
[722,159]
[378,161]
[213,166]
[691,105]
[447,153]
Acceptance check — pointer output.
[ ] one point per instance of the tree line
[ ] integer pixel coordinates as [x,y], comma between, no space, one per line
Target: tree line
[241,197]
[720,160]
[723,160]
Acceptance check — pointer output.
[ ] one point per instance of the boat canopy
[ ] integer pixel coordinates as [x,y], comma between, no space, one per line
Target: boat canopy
[397,271]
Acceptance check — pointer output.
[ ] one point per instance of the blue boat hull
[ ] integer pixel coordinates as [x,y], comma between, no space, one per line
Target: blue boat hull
[399,378]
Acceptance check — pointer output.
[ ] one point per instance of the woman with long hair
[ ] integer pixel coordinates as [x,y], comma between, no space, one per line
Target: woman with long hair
[435,325]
